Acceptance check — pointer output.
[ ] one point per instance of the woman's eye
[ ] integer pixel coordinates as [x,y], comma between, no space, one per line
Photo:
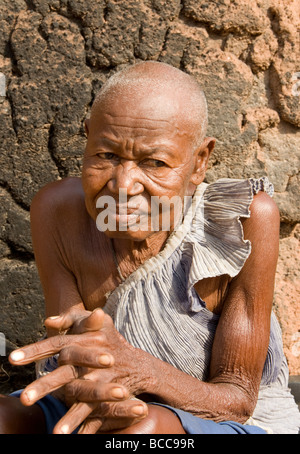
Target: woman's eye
[106,155]
[154,163]
[159,163]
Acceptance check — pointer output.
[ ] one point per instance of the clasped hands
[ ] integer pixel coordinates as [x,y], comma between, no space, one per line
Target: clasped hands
[96,370]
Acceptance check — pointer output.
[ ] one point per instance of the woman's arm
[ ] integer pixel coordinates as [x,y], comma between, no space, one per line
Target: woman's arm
[51,218]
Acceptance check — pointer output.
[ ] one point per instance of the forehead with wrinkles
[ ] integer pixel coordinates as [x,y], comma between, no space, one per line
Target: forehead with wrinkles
[157,91]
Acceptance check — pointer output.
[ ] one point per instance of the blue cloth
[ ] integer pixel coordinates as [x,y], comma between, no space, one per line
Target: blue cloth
[194,425]
[54,410]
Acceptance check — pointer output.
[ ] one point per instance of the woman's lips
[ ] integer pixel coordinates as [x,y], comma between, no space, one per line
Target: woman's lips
[128,215]
[125,210]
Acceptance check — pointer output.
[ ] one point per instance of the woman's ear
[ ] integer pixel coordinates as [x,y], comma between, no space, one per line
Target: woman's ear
[202,155]
[86,126]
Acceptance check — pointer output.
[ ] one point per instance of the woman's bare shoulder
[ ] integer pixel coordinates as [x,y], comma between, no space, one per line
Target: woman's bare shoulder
[264,215]
[59,197]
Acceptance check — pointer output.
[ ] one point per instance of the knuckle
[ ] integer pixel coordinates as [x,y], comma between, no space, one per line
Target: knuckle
[69,372]
[73,371]
[71,390]
[77,325]
[118,409]
[96,393]
[64,356]
[104,409]
[108,320]
[60,341]
[100,338]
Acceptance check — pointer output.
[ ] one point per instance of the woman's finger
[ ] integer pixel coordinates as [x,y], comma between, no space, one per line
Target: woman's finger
[93,322]
[85,357]
[77,320]
[66,319]
[48,383]
[90,426]
[130,408]
[49,347]
[85,390]
[74,418]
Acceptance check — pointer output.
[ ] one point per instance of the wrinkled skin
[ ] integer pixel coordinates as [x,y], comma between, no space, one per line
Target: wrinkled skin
[92,395]
[147,149]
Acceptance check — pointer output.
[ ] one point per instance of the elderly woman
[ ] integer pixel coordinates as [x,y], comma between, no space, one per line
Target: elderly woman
[154,329]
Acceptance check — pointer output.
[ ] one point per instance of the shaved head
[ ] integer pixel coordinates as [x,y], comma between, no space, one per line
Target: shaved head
[147,81]
[146,136]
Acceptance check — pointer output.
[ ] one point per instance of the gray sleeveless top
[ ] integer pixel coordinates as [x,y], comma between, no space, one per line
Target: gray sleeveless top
[158,310]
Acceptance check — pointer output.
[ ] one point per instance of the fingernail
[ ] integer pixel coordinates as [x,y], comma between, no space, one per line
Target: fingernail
[17,355]
[30,394]
[54,317]
[138,410]
[104,360]
[64,429]
[117,393]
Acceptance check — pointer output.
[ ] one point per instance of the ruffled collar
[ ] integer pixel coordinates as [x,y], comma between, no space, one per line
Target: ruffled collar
[211,231]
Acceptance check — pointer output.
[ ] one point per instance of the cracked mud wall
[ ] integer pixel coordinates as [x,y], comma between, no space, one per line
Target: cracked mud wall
[56,54]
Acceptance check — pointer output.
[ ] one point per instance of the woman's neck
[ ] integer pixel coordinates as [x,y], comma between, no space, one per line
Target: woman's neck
[130,254]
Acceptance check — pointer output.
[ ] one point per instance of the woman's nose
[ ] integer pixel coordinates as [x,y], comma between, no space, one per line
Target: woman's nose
[126,176]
